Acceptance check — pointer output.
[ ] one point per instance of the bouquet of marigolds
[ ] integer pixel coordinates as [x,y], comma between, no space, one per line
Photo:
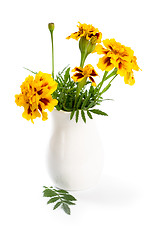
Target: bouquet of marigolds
[78,93]
[76,90]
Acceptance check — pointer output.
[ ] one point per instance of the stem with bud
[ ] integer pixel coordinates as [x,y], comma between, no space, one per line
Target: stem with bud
[51,29]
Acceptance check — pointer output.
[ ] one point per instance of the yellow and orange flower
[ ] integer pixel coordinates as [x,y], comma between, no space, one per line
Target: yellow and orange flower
[36,97]
[117,56]
[87,31]
[84,73]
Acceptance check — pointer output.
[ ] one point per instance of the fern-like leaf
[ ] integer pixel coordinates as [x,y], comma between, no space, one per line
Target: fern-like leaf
[83,115]
[99,112]
[77,115]
[89,114]
[59,197]
[72,114]
[79,102]
[92,104]
[66,208]
[86,100]
[66,75]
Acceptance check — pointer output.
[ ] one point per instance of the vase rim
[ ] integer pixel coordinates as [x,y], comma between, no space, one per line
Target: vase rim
[61,111]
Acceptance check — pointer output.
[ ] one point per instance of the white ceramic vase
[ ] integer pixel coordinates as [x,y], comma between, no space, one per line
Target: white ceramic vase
[75,154]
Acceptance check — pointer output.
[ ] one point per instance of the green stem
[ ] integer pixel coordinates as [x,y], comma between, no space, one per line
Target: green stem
[103,79]
[104,75]
[83,82]
[80,86]
[113,78]
[99,94]
[101,83]
[83,58]
[52,54]
[85,51]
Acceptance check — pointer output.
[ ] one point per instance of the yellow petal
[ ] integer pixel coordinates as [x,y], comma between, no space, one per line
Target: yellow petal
[44,116]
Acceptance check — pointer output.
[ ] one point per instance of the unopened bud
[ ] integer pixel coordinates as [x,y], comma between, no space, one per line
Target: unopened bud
[91,47]
[83,43]
[51,27]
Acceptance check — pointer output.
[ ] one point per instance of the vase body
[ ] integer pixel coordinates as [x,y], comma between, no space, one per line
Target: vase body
[75,154]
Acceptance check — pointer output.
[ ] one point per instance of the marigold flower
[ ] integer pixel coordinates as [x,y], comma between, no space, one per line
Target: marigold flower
[117,56]
[36,97]
[81,73]
[87,31]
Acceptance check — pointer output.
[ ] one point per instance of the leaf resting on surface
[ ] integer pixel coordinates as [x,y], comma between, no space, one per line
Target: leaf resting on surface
[59,197]
[66,208]
[48,193]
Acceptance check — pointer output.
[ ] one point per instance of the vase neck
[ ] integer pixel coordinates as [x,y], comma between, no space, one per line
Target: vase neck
[63,118]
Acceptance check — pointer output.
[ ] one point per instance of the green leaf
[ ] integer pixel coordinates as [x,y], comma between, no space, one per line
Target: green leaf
[52,200]
[30,70]
[58,108]
[66,75]
[60,80]
[69,197]
[69,202]
[72,114]
[86,101]
[92,89]
[66,208]
[85,94]
[48,193]
[109,99]
[61,191]
[105,89]
[77,115]
[83,116]
[99,112]
[91,105]
[63,70]
[89,115]
[57,205]
[79,101]
[66,91]
[59,197]
[114,72]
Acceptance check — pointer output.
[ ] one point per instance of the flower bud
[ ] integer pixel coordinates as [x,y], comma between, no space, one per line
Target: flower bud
[83,43]
[91,47]
[86,46]
[51,27]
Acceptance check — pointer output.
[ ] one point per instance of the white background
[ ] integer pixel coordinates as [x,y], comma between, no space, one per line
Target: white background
[125,204]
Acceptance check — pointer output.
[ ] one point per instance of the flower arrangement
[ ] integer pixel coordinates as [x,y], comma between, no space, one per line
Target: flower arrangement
[78,92]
